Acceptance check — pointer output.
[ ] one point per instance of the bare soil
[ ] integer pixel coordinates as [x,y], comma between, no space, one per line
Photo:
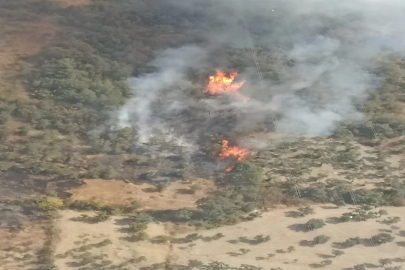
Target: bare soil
[20,246]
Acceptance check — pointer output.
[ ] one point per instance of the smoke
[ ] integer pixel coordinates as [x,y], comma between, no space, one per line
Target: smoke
[171,66]
[316,56]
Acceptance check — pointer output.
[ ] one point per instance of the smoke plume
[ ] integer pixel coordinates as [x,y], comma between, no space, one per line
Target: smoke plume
[316,57]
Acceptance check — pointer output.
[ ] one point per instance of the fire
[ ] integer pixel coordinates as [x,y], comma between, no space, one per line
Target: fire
[234,152]
[222,84]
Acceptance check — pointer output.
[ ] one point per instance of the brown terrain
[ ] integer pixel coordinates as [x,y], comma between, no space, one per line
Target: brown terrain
[227,249]
[116,192]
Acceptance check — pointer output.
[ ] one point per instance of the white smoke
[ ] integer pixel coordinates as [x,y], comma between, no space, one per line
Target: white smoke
[332,47]
[171,66]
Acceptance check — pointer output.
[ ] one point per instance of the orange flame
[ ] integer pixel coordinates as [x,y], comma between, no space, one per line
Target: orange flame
[222,84]
[234,152]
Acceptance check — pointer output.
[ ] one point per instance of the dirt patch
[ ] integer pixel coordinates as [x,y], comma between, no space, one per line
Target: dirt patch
[227,248]
[276,225]
[75,235]
[19,248]
[117,192]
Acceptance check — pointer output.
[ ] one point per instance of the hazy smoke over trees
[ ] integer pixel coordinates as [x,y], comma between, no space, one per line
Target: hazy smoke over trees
[324,53]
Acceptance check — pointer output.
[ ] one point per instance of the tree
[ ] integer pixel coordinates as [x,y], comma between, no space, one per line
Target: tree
[314,224]
[382,238]
[337,252]
[320,239]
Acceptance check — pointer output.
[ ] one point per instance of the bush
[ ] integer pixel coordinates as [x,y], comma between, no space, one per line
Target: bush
[161,239]
[50,203]
[84,205]
[351,242]
[314,224]
[320,239]
[382,238]
[383,212]
[304,211]
[337,252]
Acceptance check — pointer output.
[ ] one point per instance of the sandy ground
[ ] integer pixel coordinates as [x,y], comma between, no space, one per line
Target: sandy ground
[274,223]
[18,249]
[121,250]
[117,192]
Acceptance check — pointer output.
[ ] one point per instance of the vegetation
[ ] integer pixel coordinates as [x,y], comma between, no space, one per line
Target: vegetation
[314,224]
[382,238]
[304,211]
[50,203]
[320,239]
[336,252]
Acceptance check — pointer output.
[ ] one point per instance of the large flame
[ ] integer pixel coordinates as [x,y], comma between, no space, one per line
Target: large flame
[222,84]
[234,152]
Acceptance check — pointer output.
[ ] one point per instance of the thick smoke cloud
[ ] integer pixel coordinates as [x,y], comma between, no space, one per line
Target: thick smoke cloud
[329,50]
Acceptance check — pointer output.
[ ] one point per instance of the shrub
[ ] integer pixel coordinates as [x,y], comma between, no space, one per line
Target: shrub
[337,252]
[161,239]
[385,261]
[290,249]
[351,242]
[50,203]
[304,211]
[391,220]
[382,238]
[320,239]
[314,224]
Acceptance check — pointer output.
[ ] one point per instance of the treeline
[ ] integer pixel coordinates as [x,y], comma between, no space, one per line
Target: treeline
[80,79]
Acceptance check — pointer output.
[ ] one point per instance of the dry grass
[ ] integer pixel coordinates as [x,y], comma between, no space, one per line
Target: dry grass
[18,249]
[75,234]
[273,223]
[117,192]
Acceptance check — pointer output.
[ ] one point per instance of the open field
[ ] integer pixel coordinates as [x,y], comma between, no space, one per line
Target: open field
[227,249]
[115,192]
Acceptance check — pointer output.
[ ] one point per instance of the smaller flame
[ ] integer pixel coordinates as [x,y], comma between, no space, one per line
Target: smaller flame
[234,152]
[222,84]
